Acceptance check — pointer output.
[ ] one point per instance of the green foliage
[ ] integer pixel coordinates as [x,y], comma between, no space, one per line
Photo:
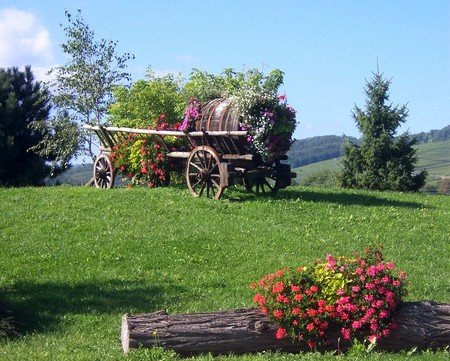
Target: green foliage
[381,162]
[84,86]
[23,102]
[204,86]
[72,269]
[140,105]
[60,141]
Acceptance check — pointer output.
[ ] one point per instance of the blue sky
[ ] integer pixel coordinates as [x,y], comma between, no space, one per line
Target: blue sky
[327,49]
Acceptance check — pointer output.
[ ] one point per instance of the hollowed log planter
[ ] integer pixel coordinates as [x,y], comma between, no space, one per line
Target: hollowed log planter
[421,325]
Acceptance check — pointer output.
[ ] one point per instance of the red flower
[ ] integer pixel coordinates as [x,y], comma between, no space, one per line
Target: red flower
[278,314]
[279,287]
[279,273]
[281,333]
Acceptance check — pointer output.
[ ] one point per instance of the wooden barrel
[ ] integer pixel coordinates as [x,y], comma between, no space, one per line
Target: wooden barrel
[218,114]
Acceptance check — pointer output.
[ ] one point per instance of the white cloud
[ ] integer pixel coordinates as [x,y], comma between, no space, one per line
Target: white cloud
[24,40]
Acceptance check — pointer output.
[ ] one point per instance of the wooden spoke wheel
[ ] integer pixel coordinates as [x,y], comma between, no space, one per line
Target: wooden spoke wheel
[261,183]
[103,172]
[203,175]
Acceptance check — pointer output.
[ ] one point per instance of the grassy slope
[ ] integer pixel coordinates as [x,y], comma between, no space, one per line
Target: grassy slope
[74,260]
[433,156]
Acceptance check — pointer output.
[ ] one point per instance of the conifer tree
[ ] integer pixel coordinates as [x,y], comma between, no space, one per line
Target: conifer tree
[382,161]
[22,102]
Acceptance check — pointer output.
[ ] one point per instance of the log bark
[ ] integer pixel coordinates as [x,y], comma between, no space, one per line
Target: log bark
[421,325]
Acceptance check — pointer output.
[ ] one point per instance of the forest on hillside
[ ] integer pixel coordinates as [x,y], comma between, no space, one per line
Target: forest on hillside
[317,149]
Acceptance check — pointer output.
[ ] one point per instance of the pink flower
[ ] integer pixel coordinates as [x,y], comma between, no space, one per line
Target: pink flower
[331,261]
[390,265]
[356,325]
[346,333]
[371,271]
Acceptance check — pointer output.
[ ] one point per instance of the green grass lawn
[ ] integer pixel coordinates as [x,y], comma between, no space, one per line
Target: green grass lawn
[74,260]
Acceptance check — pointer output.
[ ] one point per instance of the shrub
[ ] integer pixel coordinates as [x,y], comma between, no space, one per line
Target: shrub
[143,160]
[444,185]
[356,295]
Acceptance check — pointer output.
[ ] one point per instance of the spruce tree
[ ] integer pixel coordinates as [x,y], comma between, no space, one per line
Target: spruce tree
[22,102]
[382,161]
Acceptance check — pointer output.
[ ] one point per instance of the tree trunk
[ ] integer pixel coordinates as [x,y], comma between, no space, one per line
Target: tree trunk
[424,325]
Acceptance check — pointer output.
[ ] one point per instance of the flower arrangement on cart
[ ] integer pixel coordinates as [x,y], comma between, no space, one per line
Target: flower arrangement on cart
[150,156]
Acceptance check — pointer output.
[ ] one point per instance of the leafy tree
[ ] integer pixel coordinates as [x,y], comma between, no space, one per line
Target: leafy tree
[204,86]
[141,104]
[382,161]
[22,102]
[84,85]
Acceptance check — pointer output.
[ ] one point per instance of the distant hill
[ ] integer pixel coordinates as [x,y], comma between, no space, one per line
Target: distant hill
[318,149]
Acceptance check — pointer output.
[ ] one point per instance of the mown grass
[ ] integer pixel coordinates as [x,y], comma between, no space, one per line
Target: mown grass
[75,259]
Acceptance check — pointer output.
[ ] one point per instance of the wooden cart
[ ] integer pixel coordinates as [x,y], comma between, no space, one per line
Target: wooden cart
[217,158]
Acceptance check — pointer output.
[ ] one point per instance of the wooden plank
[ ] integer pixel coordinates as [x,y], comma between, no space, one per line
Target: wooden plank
[237,156]
[178,154]
[233,133]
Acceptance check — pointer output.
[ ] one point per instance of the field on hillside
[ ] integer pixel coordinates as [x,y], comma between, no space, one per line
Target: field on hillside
[433,156]
[75,259]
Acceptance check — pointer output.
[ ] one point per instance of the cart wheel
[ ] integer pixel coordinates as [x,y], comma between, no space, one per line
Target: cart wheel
[203,172]
[261,184]
[103,172]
